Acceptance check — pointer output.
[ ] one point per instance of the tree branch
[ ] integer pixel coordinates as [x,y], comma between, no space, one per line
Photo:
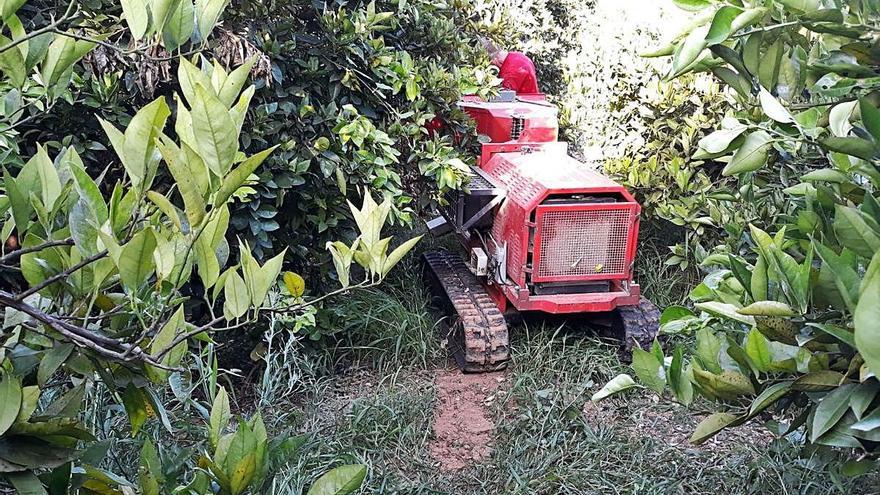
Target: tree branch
[60,275]
[19,252]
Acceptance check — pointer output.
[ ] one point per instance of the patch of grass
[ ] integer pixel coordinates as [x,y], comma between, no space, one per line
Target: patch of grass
[549,440]
[391,325]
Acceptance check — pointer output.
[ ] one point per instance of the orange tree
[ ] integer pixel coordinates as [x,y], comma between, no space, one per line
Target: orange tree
[786,320]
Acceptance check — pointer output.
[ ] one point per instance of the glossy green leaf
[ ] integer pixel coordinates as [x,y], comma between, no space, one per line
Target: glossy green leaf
[137,407]
[52,360]
[237,299]
[12,64]
[179,25]
[751,156]
[711,425]
[773,109]
[867,316]
[817,381]
[136,16]
[10,401]
[220,415]
[830,410]
[649,370]
[136,263]
[854,231]
[341,480]
[870,118]
[216,139]
[617,384]
[853,146]
[768,397]
[207,14]
[237,177]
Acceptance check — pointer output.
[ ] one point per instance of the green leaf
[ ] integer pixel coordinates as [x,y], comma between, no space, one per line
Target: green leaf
[862,397]
[162,341]
[243,473]
[398,254]
[649,369]
[207,14]
[802,6]
[235,81]
[711,425]
[722,24]
[839,117]
[826,175]
[852,146]
[50,183]
[179,25]
[758,350]
[220,415]
[12,64]
[136,16]
[724,310]
[829,411]
[817,381]
[215,134]
[773,109]
[751,156]
[10,401]
[341,480]
[854,232]
[137,406]
[870,118]
[237,177]
[167,208]
[720,140]
[139,146]
[9,7]
[136,262]
[678,380]
[842,334]
[692,5]
[867,316]
[63,53]
[617,384]
[52,360]
[237,298]
[747,18]
[767,308]
[187,182]
[688,52]
[150,469]
[89,192]
[846,279]
[768,397]
[26,483]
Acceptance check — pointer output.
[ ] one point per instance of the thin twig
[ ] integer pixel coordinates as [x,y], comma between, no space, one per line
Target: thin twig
[34,249]
[60,275]
[68,14]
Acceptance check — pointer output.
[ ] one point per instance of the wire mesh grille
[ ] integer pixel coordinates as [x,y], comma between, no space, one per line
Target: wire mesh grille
[582,243]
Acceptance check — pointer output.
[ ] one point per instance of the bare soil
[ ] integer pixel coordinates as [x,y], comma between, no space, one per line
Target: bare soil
[463,424]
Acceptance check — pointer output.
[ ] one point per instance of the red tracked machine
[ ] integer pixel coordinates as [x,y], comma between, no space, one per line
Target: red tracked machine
[543,233]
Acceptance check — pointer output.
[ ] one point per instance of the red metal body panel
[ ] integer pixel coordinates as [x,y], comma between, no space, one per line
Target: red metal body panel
[531,178]
[561,221]
[495,119]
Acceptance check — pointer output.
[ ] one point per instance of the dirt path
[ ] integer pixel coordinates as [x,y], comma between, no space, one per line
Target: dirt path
[463,425]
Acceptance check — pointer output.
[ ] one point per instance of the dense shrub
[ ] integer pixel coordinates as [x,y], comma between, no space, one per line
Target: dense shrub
[786,319]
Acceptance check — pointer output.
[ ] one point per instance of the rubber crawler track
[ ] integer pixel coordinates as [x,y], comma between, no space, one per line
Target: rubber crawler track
[637,325]
[478,338]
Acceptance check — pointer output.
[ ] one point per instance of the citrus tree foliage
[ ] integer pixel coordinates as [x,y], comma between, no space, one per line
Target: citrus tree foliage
[360,94]
[113,283]
[786,320]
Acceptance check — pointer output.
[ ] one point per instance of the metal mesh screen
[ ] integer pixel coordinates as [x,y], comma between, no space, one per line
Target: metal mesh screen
[581,243]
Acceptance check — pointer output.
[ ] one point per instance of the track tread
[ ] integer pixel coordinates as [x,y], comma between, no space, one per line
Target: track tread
[484,339]
[640,325]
